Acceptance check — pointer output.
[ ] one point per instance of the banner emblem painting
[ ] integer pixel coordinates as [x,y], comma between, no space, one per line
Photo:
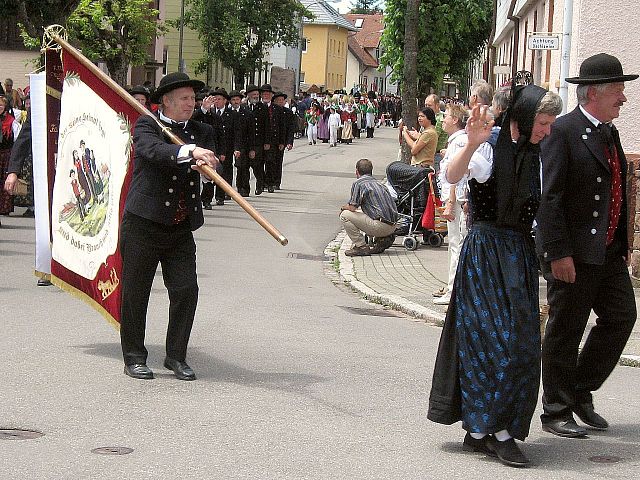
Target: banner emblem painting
[94,148]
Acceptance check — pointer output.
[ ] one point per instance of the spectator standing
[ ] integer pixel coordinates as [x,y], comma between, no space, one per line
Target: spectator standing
[422,144]
[453,196]
[433,102]
[8,131]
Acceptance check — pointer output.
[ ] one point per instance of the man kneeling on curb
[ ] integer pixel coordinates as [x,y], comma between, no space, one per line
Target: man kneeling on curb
[377,218]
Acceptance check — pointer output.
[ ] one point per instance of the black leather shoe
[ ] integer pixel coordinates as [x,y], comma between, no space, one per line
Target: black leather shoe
[181,369]
[587,414]
[207,206]
[220,202]
[471,444]
[270,189]
[44,282]
[139,371]
[508,452]
[259,191]
[244,193]
[564,428]
[227,197]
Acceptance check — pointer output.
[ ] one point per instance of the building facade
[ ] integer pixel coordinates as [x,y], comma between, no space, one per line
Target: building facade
[324,47]
[363,62]
[596,27]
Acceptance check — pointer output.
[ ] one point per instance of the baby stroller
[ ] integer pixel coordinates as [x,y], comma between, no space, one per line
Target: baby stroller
[413,187]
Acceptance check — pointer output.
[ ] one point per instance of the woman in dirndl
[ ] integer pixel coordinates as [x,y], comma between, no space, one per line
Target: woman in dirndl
[8,131]
[487,370]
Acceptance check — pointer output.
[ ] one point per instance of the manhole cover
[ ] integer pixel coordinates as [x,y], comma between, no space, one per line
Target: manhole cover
[306,256]
[372,312]
[604,459]
[112,450]
[17,434]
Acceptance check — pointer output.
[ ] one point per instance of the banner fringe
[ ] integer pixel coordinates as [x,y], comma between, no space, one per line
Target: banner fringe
[85,298]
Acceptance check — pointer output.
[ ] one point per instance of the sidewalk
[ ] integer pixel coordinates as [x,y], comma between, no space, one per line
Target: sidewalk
[405,280]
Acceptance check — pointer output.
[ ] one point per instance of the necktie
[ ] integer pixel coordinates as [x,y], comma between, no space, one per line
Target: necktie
[607,135]
[615,203]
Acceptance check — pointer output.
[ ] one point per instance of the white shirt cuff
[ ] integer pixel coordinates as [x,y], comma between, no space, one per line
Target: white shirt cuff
[184,154]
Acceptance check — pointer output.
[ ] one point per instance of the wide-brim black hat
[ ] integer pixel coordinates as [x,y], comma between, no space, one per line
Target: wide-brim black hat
[140,90]
[372,95]
[266,88]
[171,82]
[279,94]
[601,68]
[220,91]
[252,88]
[235,93]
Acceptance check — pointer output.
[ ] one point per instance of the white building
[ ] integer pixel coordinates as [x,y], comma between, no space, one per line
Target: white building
[597,27]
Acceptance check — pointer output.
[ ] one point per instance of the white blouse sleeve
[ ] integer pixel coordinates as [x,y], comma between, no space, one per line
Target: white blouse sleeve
[481,163]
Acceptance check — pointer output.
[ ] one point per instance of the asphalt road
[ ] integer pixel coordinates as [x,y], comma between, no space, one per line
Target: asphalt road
[294,381]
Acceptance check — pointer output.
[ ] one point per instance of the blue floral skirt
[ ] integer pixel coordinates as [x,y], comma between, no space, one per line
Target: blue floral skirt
[495,298]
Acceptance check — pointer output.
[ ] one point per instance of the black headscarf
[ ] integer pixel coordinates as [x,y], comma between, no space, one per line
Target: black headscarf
[513,161]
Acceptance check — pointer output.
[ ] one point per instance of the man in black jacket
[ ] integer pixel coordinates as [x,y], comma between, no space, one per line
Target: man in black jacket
[289,123]
[274,137]
[260,122]
[583,244]
[162,209]
[243,128]
[208,112]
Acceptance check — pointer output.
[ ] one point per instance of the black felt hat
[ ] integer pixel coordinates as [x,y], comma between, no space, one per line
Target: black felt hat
[266,88]
[601,68]
[252,88]
[141,90]
[220,91]
[279,94]
[171,82]
[235,93]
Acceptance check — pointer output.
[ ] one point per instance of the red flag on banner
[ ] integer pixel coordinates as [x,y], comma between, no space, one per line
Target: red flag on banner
[92,175]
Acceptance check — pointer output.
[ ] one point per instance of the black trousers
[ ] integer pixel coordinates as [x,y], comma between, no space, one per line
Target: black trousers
[144,244]
[242,173]
[226,173]
[208,189]
[271,159]
[568,378]
[277,174]
[257,165]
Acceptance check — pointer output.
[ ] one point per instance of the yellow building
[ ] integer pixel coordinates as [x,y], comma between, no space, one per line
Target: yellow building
[325,46]
[192,51]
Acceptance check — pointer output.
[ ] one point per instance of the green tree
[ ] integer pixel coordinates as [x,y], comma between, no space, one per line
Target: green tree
[366,7]
[117,32]
[451,33]
[237,32]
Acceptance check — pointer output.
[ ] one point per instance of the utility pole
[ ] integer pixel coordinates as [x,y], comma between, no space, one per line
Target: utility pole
[567,26]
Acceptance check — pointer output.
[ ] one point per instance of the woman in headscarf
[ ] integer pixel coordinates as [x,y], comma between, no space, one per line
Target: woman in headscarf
[487,370]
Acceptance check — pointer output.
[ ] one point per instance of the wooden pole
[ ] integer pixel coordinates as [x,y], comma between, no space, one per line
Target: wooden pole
[205,170]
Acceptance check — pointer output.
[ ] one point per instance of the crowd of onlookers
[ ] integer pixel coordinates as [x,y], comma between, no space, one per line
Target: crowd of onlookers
[14,106]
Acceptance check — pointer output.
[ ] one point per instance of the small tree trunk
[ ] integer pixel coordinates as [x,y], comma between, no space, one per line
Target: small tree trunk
[118,70]
[238,79]
[410,73]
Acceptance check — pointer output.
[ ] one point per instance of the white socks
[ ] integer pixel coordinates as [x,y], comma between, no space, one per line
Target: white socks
[501,436]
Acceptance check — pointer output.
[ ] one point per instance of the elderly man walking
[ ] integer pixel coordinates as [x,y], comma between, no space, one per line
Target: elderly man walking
[582,239]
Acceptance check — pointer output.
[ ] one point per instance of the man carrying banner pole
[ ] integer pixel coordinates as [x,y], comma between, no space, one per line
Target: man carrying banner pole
[162,209]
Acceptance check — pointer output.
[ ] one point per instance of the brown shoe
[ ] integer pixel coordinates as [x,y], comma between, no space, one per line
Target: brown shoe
[363,251]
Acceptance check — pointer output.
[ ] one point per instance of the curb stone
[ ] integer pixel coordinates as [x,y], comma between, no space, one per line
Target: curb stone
[417,312]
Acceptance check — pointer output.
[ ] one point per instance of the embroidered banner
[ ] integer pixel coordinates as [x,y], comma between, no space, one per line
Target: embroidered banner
[92,176]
